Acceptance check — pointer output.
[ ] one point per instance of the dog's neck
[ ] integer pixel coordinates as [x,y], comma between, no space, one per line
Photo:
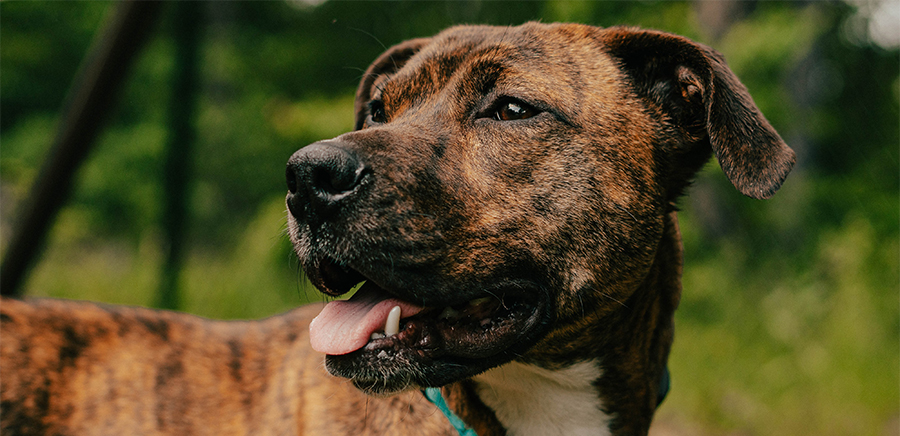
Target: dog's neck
[613,392]
[532,401]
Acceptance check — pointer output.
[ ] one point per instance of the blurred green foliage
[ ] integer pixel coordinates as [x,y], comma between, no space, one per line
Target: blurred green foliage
[789,322]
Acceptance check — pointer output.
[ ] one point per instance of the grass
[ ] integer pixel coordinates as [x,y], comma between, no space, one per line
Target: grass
[808,349]
[257,278]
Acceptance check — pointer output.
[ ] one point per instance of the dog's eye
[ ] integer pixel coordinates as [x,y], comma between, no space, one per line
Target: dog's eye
[514,110]
[376,112]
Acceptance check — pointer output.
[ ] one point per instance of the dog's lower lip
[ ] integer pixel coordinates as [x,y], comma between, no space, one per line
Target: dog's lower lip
[459,343]
[472,328]
[479,328]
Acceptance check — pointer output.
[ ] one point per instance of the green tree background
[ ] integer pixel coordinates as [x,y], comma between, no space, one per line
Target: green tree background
[790,320]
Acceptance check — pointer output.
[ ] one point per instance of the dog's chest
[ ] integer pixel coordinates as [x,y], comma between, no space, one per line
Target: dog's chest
[531,401]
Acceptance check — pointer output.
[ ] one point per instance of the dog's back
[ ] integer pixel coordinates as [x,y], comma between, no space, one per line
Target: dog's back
[69,367]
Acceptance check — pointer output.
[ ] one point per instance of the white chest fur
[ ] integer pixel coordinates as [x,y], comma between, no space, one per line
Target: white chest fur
[532,401]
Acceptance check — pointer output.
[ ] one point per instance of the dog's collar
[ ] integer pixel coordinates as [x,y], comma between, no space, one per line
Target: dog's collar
[664,383]
[434,395]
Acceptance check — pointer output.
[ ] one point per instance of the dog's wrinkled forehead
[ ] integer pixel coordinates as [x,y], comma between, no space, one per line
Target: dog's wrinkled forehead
[475,61]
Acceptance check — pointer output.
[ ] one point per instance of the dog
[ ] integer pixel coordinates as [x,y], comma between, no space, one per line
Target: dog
[508,202]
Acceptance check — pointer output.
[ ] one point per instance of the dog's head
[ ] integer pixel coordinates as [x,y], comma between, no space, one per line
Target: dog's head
[502,180]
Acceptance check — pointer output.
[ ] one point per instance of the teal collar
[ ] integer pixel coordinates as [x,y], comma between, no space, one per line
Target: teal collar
[434,395]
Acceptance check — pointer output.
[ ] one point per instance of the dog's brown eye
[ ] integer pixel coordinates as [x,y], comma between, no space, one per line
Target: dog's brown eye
[514,110]
[376,112]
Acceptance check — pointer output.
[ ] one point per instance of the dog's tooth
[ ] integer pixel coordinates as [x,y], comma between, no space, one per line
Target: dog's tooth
[392,325]
[376,335]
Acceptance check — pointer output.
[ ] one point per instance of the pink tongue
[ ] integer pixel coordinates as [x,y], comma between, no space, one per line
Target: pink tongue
[345,326]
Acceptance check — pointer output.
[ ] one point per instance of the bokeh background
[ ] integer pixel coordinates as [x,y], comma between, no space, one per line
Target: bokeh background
[790,319]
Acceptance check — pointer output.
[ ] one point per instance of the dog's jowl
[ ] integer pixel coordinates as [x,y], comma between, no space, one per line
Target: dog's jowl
[507,198]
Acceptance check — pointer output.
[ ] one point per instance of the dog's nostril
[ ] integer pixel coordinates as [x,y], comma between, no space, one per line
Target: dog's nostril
[330,170]
[321,176]
[291,176]
[335,180]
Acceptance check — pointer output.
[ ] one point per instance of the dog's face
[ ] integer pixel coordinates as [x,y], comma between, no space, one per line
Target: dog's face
[501,181]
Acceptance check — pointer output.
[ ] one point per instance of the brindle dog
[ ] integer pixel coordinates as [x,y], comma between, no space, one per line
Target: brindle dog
[511,190]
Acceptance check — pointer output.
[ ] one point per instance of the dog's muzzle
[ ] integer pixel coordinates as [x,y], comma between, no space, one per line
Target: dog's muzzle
[446,327]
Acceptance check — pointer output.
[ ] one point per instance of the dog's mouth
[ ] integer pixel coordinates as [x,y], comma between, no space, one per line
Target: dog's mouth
[378,339]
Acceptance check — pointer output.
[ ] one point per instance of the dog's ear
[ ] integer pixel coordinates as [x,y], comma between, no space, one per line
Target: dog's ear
[691,84]
[389,62]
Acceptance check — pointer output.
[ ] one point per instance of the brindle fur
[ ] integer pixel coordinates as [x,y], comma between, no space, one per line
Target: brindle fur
[579,201]
[75,368]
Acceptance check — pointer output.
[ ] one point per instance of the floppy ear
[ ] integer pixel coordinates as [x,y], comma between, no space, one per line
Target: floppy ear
[691,83]
[388,62]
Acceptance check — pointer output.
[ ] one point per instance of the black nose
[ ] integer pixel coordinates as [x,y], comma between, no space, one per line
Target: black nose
[321,176]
